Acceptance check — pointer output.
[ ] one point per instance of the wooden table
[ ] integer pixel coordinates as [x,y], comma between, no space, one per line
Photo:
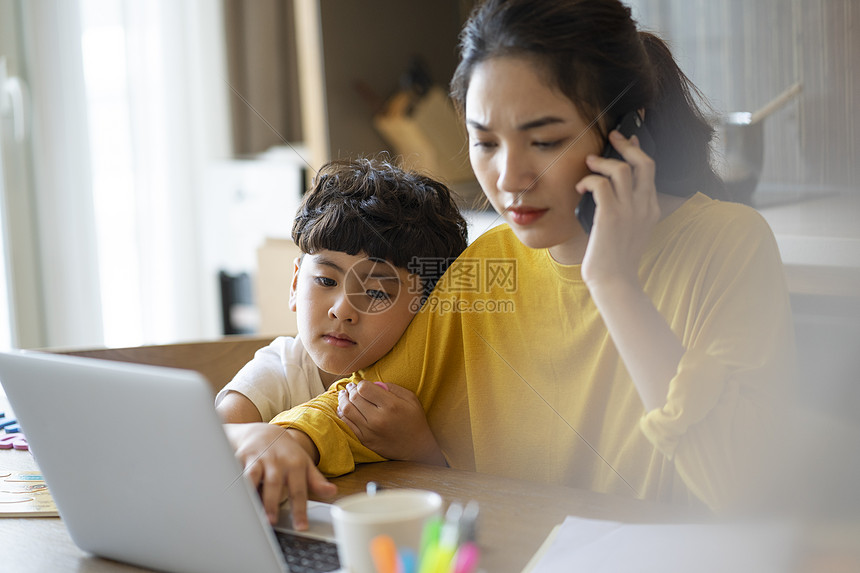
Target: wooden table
[515,516]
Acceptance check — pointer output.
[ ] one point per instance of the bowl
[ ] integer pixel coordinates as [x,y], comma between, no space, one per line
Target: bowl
[740,155]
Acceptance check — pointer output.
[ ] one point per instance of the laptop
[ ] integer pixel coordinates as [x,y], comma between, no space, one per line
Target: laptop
[141,471]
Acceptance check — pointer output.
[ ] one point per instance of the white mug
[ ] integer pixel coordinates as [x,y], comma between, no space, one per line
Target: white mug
[399,513]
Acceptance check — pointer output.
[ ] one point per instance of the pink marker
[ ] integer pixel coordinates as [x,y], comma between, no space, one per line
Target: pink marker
[466,559]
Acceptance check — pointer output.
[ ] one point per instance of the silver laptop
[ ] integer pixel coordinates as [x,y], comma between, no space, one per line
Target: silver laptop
[141,471]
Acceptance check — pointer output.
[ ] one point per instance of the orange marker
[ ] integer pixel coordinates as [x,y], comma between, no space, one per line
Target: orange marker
[384,553]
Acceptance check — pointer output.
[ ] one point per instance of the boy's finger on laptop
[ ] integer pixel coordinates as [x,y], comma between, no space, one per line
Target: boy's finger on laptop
[319,485]
[298,486]
[272,493]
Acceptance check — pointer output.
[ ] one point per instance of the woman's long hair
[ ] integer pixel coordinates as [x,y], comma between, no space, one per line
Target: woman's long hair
[592,52]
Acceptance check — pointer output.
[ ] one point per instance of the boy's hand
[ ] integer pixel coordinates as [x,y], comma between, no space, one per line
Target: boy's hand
[389,420]
[278,463]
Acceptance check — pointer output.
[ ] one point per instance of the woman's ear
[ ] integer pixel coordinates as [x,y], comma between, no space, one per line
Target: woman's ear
[294,284]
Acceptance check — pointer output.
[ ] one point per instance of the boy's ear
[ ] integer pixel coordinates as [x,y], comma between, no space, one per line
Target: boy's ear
[296,265]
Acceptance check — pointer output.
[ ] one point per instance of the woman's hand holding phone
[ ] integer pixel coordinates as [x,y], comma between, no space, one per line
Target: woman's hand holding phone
[627,210]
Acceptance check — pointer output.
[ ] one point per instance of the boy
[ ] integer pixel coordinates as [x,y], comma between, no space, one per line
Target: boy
[375,240]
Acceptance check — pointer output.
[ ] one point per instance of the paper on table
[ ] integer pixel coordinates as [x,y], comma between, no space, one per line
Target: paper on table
[24,494]
[547,543]
[594,546]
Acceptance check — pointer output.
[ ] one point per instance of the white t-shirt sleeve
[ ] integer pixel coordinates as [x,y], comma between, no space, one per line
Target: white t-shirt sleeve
[280,376]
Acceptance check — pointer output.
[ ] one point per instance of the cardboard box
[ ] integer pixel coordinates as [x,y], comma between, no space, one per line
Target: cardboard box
[427,132]
[274,276]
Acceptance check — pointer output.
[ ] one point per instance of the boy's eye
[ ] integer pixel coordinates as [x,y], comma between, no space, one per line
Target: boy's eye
[377,294]
[325,281]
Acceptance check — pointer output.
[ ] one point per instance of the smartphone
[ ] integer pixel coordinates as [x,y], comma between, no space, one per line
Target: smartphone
[630,124]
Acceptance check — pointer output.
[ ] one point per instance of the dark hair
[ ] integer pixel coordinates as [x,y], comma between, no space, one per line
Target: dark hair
[593,53]
[374,207]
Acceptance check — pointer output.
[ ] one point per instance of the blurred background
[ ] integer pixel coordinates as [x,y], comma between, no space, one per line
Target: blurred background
[152,151]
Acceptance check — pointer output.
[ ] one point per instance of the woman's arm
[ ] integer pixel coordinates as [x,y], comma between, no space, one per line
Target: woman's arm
[714,397]
[650,350]
[628,211]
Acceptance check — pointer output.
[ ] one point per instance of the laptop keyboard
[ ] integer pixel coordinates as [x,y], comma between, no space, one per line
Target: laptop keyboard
[306,555]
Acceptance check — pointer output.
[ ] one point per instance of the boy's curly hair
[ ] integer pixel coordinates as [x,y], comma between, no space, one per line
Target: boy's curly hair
[372,206]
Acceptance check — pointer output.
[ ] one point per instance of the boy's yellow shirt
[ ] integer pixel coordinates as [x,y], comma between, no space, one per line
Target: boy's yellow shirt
[524,380]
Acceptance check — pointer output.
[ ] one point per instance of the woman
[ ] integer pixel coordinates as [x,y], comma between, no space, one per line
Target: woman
[646,358]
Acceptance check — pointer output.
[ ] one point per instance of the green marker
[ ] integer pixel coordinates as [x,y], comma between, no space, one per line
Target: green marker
[429,544]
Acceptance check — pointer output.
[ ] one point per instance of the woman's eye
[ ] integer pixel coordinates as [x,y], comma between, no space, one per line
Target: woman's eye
[483,144]
[377,294]
[325,281]
[548,144]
